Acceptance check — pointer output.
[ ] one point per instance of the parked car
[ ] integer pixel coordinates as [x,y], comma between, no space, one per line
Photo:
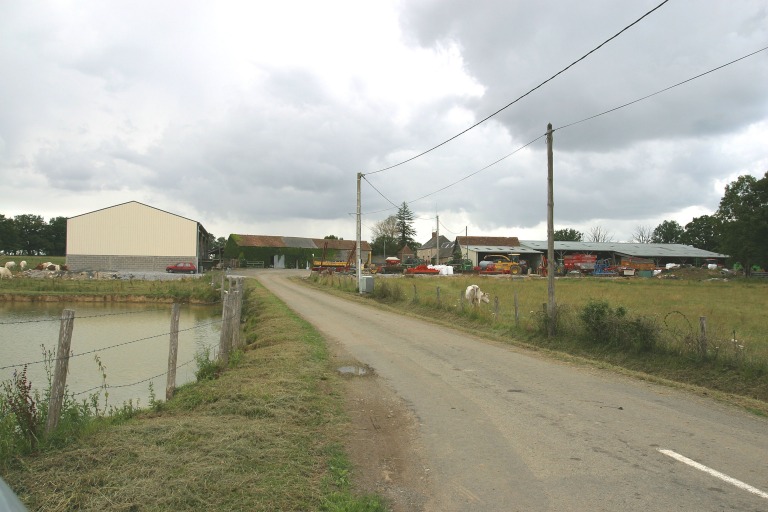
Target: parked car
[185,267]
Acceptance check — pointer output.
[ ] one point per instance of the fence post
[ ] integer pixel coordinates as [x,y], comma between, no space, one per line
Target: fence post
[415,295]
[496,308]
[237,314]
[173,349]
[224,338]
[438,296]
[703,336]
[517,312]
[461,301]
[60,371]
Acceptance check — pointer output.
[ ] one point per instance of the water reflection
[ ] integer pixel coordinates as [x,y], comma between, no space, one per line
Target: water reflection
[138,335]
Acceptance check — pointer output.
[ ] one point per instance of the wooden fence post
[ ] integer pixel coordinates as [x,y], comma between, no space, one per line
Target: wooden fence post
[60,371]
[237,314]
[703,336]
[415,295]
[224,338]
[173,350]
[496,308]
[438,296]
[461,301]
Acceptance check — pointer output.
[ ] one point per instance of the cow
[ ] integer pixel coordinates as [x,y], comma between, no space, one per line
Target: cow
[5,273]
[10,264]
[23,266]
[475,296]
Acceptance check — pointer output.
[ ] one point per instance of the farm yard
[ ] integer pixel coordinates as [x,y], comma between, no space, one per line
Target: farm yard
[651,325]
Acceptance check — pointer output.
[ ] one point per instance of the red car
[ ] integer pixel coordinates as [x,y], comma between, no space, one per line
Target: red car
[185,267]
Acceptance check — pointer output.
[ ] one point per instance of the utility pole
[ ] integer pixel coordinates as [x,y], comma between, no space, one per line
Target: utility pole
[551,306]
[437,240]
[359,235]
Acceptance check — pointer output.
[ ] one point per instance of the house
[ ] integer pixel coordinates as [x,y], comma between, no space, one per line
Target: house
[427,250]
[133,236]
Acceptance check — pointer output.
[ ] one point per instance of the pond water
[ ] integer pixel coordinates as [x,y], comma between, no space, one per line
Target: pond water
[140,331]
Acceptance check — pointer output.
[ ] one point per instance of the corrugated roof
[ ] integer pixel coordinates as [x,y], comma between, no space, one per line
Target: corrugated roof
[504,241]
[496,249]
[297,242]
[629,249]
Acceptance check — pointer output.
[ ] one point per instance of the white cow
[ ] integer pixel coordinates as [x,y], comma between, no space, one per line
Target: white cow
[475,296]
[23,265]
[10,264]
[4,272]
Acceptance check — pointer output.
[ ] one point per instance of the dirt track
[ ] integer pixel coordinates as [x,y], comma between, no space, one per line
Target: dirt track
[451,422]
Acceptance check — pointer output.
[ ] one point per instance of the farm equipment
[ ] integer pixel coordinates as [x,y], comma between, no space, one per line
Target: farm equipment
[421,269]
[583,263]
[604,268]
[501,264]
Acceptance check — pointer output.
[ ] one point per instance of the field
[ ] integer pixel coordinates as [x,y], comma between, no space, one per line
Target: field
[650,325]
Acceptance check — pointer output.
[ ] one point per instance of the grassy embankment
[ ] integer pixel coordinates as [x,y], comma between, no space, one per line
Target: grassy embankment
[645,325]
[265,435]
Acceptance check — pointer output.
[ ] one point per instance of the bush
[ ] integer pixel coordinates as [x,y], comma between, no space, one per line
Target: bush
[604,325]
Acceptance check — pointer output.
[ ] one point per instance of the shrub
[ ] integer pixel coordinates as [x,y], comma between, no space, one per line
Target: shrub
[611,327]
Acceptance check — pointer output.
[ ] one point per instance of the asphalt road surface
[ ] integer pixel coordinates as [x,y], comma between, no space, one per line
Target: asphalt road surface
[503,429]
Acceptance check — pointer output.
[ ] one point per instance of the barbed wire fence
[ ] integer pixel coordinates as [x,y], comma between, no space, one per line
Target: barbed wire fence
[229,341]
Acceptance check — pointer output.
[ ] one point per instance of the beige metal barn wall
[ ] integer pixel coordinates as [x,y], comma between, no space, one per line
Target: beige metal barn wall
[131,229]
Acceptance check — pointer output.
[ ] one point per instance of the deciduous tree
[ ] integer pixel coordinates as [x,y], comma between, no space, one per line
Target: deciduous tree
[668,232]
[568,235]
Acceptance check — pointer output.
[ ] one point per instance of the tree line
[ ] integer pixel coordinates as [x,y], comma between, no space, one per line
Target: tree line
[31,235]
[738,228]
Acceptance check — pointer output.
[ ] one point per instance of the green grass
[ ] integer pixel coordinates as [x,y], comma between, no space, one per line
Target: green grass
[657,332]
[264,436]
[203,288]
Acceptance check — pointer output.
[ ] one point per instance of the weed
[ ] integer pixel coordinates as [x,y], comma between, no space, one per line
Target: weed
[207,368]
[21,403]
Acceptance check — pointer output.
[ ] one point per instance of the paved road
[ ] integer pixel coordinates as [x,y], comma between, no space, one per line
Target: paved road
[505,430]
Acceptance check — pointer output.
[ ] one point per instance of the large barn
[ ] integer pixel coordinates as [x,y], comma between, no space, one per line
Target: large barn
[134,237]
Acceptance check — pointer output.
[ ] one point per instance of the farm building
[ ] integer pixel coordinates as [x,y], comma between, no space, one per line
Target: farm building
[133,236]
[289,252]
[616,252]
[475,248]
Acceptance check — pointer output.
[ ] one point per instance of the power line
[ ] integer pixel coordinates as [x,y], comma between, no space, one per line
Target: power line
[569,125]
[661,90]
[527,93]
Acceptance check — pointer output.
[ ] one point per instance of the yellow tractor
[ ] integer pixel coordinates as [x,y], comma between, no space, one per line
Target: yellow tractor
[501,264]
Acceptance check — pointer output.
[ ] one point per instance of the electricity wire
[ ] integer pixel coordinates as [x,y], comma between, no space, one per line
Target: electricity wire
[527,93]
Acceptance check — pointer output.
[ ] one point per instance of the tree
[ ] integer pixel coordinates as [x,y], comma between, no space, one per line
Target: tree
[703,233]
[568,235]
[599,234]
[31,233]
[8,235]
[668,232]
[332,237]
[384,235]
[743,214]
[642,235]
[405,230]
[55,233]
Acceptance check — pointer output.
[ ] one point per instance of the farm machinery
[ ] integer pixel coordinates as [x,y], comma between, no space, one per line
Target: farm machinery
[500,264]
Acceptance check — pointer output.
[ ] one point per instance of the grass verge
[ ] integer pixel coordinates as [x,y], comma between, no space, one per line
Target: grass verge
[649,326]
[265,435]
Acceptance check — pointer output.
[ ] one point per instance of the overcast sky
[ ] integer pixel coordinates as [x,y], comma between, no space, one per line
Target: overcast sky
[255,117]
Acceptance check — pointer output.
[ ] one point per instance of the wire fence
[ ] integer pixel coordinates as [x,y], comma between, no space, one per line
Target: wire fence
[58,364]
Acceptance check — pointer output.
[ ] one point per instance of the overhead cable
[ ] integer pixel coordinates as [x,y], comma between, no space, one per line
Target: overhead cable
[661,90]
[527,93]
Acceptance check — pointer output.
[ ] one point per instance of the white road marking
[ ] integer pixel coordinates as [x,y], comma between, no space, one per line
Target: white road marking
[716,474]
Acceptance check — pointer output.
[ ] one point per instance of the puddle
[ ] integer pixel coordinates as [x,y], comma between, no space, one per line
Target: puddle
[354,370]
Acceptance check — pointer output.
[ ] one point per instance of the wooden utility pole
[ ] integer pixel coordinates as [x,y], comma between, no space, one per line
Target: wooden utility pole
[437,240]
[358,237]
[551,306]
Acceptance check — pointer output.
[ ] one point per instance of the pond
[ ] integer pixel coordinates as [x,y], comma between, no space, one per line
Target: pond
[130,341]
